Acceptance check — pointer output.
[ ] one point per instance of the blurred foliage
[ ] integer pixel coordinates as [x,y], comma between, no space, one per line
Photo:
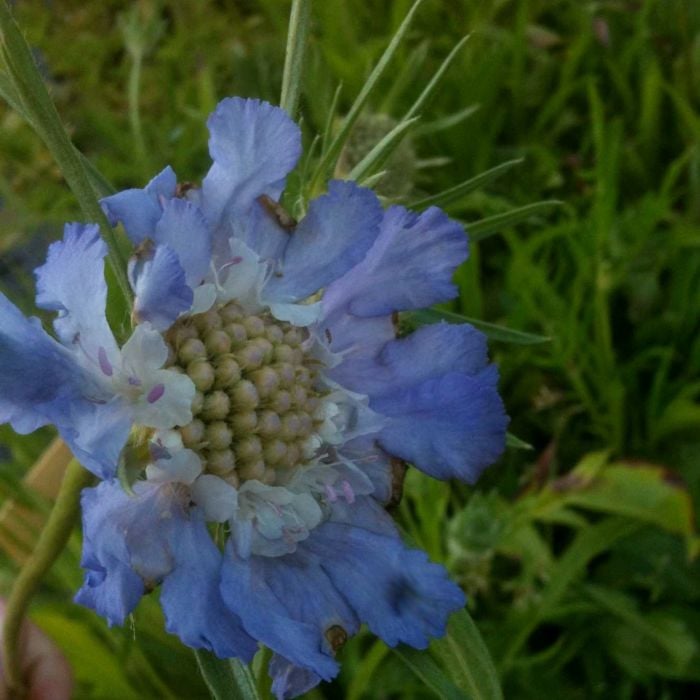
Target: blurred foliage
[578,555]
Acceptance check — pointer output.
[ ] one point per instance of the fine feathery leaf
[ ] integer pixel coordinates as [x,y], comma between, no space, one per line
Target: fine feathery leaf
[37,107]
[491,330]
[330,156]
[484,228]
[294,57]
[445,197]
[226,679]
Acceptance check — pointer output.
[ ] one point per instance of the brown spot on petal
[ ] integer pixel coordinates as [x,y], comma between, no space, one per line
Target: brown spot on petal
[398,474]
[336,636]
[278,212]
[182,188]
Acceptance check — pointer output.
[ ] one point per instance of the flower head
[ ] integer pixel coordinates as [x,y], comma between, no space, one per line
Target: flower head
[264,387]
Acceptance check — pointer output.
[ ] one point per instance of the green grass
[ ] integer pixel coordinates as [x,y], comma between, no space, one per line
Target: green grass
[576,598]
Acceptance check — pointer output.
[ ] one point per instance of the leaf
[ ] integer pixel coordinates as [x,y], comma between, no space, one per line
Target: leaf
[467,660]
[484,228]
[515,443]
[429,672]
[491,330]
[450,195]
[226,679]
[294,57]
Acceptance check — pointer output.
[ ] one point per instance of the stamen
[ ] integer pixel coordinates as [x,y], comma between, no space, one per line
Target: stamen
[105,364]
[331,494]
[155,393]
[348,492]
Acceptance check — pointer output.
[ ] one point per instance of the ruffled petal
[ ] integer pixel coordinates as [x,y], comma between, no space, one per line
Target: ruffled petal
[430,351]
[335,235]
[449,427]
[72,282]
[409,267]
[290,605]
[192,603]
[398,592]
[162,293]
[184,229]
[140,209]
[288,680]
[253,145]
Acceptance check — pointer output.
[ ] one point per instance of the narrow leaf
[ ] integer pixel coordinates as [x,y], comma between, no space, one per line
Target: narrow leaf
[450,195]
[448,121]
[226,679]
[492,224]
[330,157]
[514,442]
[294,57]
[420,663]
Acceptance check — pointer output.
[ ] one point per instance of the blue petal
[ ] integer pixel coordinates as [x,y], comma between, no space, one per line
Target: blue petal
[288,680]
[398,592]
[430,351]
[72,282]
[409,267]
[158,281]
[259,230]
[139,210]
[335,235]
[253,145]
[128,544]
[193,607]
[449,427]
[184,228]
[289,604]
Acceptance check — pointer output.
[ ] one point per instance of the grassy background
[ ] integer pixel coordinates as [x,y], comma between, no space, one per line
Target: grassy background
[578,555]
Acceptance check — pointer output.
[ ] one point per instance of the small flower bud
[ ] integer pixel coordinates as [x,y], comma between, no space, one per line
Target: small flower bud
[286,373]
[266,381]
[294,337]
[192,433]
[252,470]
[202,374]
[244,395]
[254,325]
[292,456]
[216,405]
[217,342]
[197,402]
[274,451]
[219,435]
[208,321]
[268,423]
[281,402]
[226,371]
[291,426]
[231,312]
[248,449]
[250,356]
[179,334]
[237,333]
[220,462]
[269,477]
[244,423]
[191,349]
[274,334]
[283,353]
[233,479]
[299,395]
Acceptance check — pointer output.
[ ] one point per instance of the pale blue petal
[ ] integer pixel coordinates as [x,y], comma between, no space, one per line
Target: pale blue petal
[159,284]
[272,597]
[430,351]
[72,282]
[335,235]
[409,267]
[288,680]
[259,230]
[253,145]
[140,209]
[449,427]
[184,229]
[193,607]
[398,592]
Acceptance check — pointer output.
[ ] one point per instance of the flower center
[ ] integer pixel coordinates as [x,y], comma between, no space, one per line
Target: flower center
[257,406]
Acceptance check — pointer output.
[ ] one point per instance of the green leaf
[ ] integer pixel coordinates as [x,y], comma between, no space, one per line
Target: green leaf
[516,443]
[294,57]
[226,679]
[491,330]
[467,660]
[420,663]
[450,195]
[330,156]
[478,230]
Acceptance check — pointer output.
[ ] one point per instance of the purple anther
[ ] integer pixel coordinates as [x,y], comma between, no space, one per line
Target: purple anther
[158,451]
[134,381]
[348,492]
[331,494]
[105,364]
[155,393]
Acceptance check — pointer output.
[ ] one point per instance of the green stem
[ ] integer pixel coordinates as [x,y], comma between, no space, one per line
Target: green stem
[43,117]
[294,58]
[52,540]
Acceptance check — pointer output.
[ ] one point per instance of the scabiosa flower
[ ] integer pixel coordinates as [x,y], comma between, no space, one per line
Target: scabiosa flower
[262,401]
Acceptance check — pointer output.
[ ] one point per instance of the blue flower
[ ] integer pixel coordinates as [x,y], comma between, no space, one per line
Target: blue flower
[264,387]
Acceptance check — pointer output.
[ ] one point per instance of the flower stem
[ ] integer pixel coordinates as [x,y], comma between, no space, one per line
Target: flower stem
[294,58]
[49,546]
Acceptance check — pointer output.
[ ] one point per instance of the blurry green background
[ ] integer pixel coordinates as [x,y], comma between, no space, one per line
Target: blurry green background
[578,555]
